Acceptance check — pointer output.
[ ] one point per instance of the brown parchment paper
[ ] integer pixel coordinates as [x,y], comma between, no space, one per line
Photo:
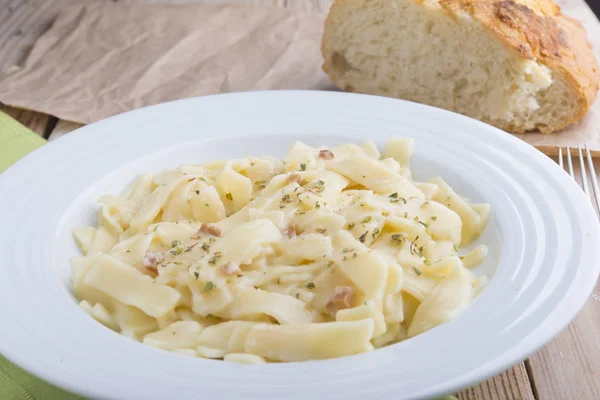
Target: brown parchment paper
[104,58]
[100,59]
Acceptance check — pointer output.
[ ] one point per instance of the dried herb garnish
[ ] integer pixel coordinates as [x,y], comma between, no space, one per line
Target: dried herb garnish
[397,239]
[375,233]
[363,237]
[317,187]
[394,198]
[176,247]
[413,247]
[208,287]
[189,248]
[213,260]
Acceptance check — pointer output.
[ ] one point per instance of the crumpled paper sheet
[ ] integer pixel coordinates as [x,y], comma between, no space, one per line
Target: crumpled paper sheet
[103,58]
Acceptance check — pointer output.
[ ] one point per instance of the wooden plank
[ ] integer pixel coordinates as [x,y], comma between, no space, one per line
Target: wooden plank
[63,127]
[35,121]
[509,385]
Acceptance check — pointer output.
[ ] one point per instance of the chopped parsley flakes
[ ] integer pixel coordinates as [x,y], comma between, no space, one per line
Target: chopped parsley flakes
[213,260]
[394,198]
[375,233]
[176,247]
[397,239]
[208,287]
[363,237]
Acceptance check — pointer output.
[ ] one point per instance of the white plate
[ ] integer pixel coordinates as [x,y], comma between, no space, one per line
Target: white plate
[543,235]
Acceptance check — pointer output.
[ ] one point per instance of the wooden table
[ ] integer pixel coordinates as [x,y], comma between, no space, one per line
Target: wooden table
[567,368]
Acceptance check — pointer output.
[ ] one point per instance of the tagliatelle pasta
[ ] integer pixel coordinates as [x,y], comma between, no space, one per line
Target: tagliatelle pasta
[328,253]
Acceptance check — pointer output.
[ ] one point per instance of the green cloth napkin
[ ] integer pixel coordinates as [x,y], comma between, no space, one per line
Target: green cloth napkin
[16,384]
[16,141]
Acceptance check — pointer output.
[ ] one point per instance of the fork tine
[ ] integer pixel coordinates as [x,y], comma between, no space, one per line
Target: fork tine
[570,162]
[593,176]
[560,158]
[584,182]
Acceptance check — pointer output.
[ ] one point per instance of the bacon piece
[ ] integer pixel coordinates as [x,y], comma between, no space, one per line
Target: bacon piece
[290,231]
[152,269]
[151,259]
[294,178]
[343,298]
[208,229]
[230,268]
[326,155]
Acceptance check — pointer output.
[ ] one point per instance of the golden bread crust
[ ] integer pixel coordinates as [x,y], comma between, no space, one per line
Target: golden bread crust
[542,33]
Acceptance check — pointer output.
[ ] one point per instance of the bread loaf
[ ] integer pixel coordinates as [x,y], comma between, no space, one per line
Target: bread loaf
[521,66]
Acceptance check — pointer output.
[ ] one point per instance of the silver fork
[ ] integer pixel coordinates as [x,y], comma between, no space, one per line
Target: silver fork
[584,180]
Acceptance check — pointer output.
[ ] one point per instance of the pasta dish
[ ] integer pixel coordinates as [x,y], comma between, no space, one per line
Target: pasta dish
[330,252]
